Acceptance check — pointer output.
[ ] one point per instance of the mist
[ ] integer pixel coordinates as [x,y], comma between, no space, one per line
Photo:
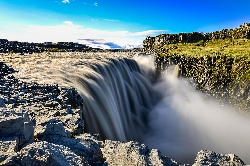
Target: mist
[185,121]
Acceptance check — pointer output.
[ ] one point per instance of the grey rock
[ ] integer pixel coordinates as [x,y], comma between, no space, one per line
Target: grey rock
[43,154]
[9,144]
[133,153]
[206,157]
[8,147]
[73,121]
[155,158]
[83,145]
[2,104]
[16,122]
[52,128]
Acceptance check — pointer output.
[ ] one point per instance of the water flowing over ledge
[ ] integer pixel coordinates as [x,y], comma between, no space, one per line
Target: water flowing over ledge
[121,99]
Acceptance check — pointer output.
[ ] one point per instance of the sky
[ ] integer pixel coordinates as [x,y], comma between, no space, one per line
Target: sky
[121,22]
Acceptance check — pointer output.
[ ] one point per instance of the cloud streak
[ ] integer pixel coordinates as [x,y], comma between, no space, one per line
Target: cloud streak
[68,31]
[109,20]
[65,1]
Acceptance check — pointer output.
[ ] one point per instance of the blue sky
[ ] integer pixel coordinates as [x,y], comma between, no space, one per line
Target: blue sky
[122,22]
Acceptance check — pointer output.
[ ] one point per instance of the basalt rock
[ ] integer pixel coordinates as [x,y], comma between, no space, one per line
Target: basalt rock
[16,123]
[151,44]
[44,153]
[83,145]
[5,70]
[42,102]
[221,77]
[133,153]
[206,157]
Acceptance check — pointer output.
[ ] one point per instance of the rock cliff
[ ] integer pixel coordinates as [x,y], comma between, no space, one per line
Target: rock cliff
[152,44]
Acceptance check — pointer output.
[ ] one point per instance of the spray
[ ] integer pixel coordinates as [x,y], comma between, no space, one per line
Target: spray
[184,122]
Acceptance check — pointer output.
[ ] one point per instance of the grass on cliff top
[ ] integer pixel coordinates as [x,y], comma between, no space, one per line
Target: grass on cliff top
[229,47]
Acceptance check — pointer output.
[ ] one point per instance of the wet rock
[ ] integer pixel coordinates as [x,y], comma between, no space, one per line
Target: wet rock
[133,153]
[206,157]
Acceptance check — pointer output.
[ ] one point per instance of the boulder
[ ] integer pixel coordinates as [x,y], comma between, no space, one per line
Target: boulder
[16,123]
[133,153]
[73,121]
[84,145]
[206,157]
[53,128]
[8,147]
[43,153]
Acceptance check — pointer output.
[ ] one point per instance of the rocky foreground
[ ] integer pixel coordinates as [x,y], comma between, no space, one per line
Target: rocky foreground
[42,124]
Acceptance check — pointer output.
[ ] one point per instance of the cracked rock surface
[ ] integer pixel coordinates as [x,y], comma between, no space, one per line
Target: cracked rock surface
[133,153]
[206,157]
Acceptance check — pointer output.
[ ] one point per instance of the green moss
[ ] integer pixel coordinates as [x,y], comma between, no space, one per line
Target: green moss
[227,47]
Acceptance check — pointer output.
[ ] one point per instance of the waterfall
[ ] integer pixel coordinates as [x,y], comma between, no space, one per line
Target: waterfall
[124,100]
[116,99]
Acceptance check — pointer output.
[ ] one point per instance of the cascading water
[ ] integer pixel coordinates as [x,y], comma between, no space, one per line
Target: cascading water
[123,101]
[116,99]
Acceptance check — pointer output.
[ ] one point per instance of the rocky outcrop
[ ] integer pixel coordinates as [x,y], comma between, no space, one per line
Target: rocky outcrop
[152,44]
[44,153]
[16,123]
[133,153]
[42,102]
[224,78]
[30,48]
[206,157]
[18,47]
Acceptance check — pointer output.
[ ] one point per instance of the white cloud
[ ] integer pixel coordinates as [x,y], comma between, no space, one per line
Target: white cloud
[109,20]
[65,1]
[148,32]
[69,23]
[95,4]
[94,19]
[68,31]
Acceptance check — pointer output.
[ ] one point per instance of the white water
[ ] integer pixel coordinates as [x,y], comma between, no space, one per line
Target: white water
[116,99]
[120,103]
[185,121]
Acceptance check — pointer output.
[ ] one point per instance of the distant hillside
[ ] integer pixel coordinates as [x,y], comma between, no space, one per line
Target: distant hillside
[159,43]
